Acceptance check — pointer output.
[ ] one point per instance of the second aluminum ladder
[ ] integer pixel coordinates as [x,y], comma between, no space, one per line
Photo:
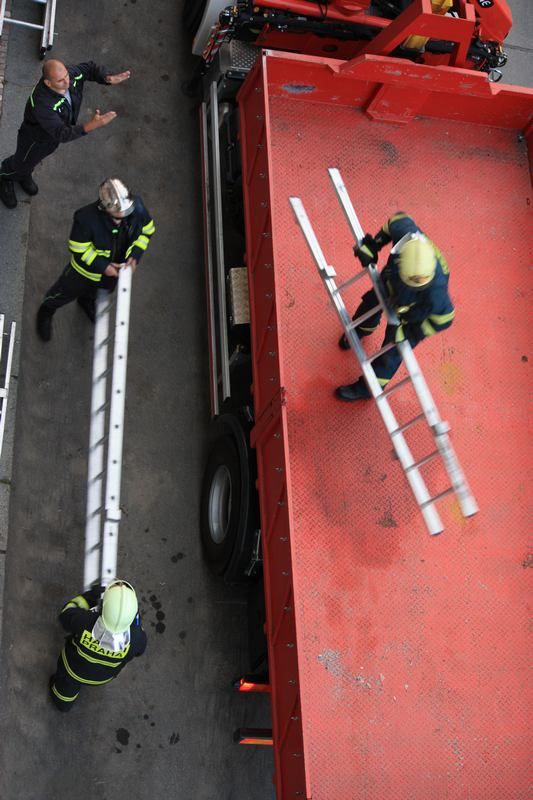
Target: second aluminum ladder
[429,413]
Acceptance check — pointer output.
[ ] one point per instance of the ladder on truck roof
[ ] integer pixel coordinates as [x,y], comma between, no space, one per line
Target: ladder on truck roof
[47,28]
[429,414]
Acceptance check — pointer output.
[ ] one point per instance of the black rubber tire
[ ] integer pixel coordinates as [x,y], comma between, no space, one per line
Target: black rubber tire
[223,465]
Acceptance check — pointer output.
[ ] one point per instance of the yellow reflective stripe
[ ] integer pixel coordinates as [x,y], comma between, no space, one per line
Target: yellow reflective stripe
[89,255]
[77,677]
[77,602]
[442,319]
[142,242]
[92,276]
[367,330]
[97,660]
[78,247]
[149,228]
[440,257]
[63,697]
[399,336]
[103,253]
[394,218]
[427,328]
[383,381]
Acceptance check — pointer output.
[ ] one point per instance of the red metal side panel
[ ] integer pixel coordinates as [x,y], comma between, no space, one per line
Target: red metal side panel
[270,440]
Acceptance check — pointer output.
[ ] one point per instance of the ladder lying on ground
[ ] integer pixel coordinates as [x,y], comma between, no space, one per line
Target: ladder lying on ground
[4,390]
[429,414]
[103,507]
[47,39]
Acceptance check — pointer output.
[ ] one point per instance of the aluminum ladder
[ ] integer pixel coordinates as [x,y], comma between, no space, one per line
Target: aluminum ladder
[47,28]
[104,469]
[4,390]
[428,413]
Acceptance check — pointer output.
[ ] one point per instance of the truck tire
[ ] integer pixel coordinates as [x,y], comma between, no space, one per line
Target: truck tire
[228,510]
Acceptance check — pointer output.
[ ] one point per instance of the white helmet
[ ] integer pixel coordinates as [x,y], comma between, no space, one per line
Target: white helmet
[115,198]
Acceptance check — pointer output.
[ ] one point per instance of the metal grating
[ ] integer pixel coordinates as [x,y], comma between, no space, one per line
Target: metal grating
[237,56]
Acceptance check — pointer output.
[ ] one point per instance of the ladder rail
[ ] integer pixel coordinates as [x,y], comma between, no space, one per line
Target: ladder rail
[9,366]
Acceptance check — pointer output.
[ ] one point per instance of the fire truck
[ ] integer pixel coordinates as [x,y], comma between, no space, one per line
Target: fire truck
[395,660]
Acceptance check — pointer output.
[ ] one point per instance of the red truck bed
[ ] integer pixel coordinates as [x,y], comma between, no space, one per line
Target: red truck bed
[398,660]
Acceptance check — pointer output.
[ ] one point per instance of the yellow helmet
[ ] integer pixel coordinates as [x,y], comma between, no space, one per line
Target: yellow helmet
[119,606]
[417,263]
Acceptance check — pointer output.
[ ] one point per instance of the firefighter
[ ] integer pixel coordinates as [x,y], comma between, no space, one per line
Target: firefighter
[415,279]
[51,118]
[103,635]
[107,235]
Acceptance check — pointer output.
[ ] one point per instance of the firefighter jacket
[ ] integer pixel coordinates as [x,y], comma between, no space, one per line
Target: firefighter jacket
[48,117]
[96,239]
[428,309]
[83,657]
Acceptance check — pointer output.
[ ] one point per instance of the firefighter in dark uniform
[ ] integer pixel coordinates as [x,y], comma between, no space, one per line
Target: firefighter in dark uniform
[107,235]
[415,279]
[51,118]
[102,638]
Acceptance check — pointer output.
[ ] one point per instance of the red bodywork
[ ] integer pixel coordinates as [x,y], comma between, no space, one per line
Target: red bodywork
[398,661]
[489,24]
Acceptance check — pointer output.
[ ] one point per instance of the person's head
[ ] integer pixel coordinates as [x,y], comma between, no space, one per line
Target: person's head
[417,263]
[55,76]
[119,606]
[115,198]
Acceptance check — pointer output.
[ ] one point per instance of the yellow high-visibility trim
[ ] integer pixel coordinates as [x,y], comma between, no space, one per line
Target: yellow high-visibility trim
[78,247]
[77,677]
[368,330]
[440,257]
[427,328]
[442,319]
[98,660]
[63,697]
[383,381]
[106,253]
[77,602]
[141,242]
[89,255]
[394,218]
[149,228]
[399,336]
[91,276]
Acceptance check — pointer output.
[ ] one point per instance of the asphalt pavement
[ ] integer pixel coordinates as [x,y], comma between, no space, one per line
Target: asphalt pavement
[164,729]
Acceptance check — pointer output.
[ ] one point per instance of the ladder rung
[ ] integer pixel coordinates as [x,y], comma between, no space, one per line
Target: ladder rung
[391,389]
[423,461]
[363,317]
[380,352]
[406,425]
[439,496]
[349,282]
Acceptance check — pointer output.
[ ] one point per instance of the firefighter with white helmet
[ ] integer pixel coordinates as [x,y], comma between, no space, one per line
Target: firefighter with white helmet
[415,279]
[107,235]
[105,633]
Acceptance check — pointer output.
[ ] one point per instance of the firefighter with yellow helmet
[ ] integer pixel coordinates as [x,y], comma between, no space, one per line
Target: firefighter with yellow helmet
[104,633]
[415,279]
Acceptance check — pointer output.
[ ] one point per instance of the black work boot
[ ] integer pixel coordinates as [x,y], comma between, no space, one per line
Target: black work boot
[353,391]
[7,193]
[344,344]
[89,306]
[44,323]
[29,186]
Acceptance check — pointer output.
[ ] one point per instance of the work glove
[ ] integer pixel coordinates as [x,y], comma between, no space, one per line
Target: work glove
[367,251]
[93,595]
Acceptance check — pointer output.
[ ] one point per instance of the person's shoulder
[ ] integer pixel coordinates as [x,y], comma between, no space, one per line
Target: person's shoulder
[89,212]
